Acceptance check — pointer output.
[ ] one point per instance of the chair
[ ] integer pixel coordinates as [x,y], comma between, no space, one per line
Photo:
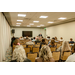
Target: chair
[56,55]
[32,56]
[14,45]
[43,45]
[58,45]
[31,46]
[66,55]
[27,50]
[35,49]
[37,45]
[24,45]
[53,49]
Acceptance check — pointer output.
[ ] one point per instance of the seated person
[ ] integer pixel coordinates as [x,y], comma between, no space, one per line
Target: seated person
[71,58]
[27,37]
[48,38]
[21,38]
[71,41]
[45,55]
[19,55]
[16,42]
[56,40]
[52,44]
[34,39]
[29,42]
[42,43]
[61,39]
[65,47]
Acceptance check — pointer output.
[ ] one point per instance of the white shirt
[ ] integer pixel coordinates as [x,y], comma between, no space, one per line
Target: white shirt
[71,58]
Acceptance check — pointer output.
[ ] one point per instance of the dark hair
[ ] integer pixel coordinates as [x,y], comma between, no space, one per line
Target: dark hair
[34,38]
[43,40]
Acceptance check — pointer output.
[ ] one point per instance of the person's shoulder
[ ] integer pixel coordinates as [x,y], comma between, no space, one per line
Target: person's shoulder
[27,60]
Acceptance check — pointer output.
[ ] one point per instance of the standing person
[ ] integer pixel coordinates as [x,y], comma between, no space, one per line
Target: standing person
[45,55]
[61,39]
[40,35]
[19,55]
[12,40]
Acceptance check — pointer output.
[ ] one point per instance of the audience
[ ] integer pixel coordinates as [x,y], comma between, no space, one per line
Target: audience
[27,37]
[52,44]
[29,42]
[71,41]
[42,43]
[56,40]
[45,55]
[34,39]
[65,47]
[19,55]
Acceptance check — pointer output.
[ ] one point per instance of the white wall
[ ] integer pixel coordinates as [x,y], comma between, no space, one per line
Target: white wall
[66,31]
[36,31]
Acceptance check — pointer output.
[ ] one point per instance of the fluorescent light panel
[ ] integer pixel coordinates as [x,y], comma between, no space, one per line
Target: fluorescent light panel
[43,16]
[62,18]
[21,15]
[50,22]
[20,20]
[36,21]
[18,23]
[31,24]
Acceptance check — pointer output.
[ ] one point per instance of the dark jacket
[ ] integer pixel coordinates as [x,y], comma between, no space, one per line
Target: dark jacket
[42,43]
[26,60]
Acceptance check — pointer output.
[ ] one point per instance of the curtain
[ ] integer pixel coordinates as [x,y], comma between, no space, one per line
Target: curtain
[5,36]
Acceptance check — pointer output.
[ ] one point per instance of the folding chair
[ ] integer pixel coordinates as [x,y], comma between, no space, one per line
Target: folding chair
[53,49]
[27,50]
[56,55]
[32,56]
[66,54]
[31,46]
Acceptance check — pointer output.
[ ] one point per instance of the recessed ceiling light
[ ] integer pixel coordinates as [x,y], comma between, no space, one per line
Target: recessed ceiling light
[31,24]
[62,18]
[50,22]
[41,25]
[38,26]
[21,15]
[18,23]
[43,16]
[36,21]
[20,20]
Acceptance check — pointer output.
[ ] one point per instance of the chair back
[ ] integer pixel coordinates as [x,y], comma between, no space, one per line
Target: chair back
[27,50]
[35,49]
[66,55]
[53,49]
[56,55]
[24,45]
[31,46]
[32,56]
[58,45]
[37,45]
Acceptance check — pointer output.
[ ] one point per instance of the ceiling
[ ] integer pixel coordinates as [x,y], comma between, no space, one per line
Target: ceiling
[12,18]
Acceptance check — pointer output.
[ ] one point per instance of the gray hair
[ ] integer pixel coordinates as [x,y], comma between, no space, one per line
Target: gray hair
[19,54]
[45,53]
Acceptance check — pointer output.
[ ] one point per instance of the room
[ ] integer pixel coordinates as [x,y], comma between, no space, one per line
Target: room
[49,24]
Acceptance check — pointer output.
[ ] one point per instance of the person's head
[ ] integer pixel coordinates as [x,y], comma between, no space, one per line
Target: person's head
[48,37]
[65,46]
[19,54]
[52,42]
[55,38]
[34,38]
[71,39]
[61,38]
[43,40]
[16,41]
[26,36]
[45,53]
